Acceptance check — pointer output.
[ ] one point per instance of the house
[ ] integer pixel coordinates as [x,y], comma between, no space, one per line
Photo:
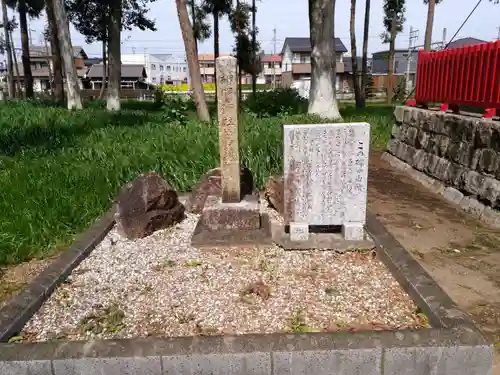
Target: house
[207,66]
[346,78]
[271,69]
[133,76]
[464,42]
[42,66]
[160,68]
[296,60]
[380,68]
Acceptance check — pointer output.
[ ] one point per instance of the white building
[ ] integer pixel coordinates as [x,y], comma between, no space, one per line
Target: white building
[160,68]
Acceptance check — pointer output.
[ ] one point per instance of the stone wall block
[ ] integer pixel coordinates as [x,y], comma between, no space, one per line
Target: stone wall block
[474,182]
[460,152]
[399,113]
[424,121]
[410,116]
[495,136]
[441,169]
[482,138]
[455,176]
[486,160]
[422,139]
[396,131]
[490,190]
[410,135]
[421,159]
[464,129]
[392,146]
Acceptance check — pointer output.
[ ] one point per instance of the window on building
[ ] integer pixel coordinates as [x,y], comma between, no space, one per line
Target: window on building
[269,65]
[169,78]
[153,79]
[169,68]
[127,85]
[153,66]
[161,68]
[184,69]
[162,80]
[396,65]
[279,65]
[303,59]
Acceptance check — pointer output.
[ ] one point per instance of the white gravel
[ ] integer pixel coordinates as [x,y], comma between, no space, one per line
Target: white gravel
[160,285]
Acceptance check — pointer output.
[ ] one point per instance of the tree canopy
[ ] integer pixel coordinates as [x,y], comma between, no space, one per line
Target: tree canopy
[392,7]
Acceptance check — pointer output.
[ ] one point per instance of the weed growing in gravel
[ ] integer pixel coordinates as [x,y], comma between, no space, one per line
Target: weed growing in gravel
[61,169]
[167,264]
[193,263]
[258,289]
[297,323]
[205,331]
[108,320]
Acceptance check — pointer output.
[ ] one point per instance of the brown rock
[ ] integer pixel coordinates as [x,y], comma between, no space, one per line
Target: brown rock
[274,193]
[210,184]
[146,205]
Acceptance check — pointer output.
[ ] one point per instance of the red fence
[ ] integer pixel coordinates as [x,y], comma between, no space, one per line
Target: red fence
[467,76]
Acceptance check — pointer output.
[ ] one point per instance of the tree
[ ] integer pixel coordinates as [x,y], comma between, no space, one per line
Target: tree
[370,87]
[322,98]
[201,29]
[7,26]
[364,63]
[245,49]
[254,48]
[192,59]
[354,57]
[96,21]
[393,23]
[57,71]
[218,9]
[33,8]
[74,100]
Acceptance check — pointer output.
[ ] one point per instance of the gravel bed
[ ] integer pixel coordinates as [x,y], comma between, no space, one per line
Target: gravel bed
[160,285]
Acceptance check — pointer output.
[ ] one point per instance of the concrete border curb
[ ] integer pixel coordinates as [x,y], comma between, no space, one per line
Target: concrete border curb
[19,310]
[454,346]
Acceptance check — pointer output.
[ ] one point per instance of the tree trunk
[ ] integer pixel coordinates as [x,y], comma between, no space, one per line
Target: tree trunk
[322,98]
[216,48]
[114,52]
[8,50]
[392,44]
[56,52]
[104,69]
[17,82]
[74,99]
[192,59]
[193,17]
[428,27]
[364,68]
[238,32]
[354,57]
[254,52]
[25,44]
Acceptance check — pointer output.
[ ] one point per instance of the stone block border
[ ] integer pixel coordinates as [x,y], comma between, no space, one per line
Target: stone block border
[454,346]
[468,204]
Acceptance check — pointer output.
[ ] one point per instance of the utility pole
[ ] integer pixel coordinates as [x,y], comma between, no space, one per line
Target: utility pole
[411,46]
[274,54]
[444,38]
[30,36]
[498,37]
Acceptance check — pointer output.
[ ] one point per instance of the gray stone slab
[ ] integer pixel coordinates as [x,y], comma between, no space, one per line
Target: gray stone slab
[352,362]
[456,360]
[491,217]
[453,195]
[472,206]
[325,173]
[26,368]
[218,364]
[109,366]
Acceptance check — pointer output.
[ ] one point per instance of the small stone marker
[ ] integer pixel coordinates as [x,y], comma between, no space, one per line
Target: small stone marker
[325,177]
[227,100]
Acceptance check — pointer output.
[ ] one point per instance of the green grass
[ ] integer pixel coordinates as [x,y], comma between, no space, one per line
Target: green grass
[60,170]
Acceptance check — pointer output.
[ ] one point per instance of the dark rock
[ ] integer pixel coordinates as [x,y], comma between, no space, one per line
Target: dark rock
[486,160]
[490,191]
[474,182]
[146,205]
[455,175]
[422,140]
[482,138]
[464,129]
[461,152]
[274,193]
[210,184]
[410,135]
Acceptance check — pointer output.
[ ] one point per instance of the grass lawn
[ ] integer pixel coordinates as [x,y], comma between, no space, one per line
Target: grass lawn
[60,170]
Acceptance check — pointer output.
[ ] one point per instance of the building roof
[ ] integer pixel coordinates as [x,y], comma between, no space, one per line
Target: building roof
[43,72]
[42,51]
[304,45]
[266,58]
[464,42]
[210,56]
[128,70]
[92,61]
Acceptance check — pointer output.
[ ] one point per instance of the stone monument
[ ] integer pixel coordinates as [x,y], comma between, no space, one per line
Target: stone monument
[232,217]
[325,179]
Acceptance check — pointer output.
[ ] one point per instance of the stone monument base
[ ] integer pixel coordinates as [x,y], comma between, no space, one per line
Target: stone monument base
[318,241]
[232,224]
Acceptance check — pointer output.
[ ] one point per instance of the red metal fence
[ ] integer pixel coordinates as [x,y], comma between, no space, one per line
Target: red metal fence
[467,76]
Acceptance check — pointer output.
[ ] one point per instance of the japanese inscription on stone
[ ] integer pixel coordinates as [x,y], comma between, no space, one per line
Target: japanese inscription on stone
[227,102]
[326,171]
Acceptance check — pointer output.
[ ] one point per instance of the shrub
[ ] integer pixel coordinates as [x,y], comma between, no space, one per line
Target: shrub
[274,102]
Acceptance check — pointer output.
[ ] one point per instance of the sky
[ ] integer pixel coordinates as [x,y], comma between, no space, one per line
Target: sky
[290,19]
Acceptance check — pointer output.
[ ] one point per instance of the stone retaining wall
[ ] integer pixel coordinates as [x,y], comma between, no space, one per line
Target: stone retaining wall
[458,157]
